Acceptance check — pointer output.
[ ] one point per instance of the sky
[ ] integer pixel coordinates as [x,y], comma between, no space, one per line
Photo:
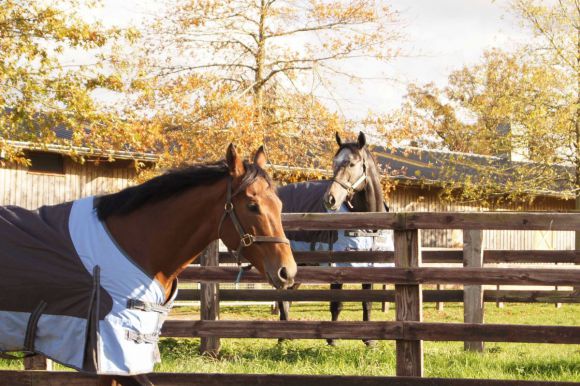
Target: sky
[440,36]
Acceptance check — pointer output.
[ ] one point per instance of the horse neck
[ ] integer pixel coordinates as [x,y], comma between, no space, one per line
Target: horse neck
[370,199]
[163,238]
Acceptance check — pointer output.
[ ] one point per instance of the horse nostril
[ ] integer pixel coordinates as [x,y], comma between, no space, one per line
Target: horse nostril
[283,274]
[331,199]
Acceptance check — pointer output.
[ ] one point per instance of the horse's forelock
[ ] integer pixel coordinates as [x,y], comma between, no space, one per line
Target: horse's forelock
[253,173]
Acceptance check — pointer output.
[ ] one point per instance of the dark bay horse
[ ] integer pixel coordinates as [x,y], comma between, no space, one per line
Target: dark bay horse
[147,235]
[355,187]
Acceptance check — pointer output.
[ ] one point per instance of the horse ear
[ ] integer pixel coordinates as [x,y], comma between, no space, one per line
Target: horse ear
[338,140]
[234,161]
[362,140]
[260,157]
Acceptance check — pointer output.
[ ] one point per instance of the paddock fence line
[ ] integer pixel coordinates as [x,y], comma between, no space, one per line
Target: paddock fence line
[408,276]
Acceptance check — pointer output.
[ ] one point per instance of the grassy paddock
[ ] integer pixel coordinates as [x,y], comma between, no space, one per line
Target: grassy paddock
[442,359]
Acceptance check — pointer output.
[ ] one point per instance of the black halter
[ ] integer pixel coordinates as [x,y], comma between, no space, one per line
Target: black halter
[246,239]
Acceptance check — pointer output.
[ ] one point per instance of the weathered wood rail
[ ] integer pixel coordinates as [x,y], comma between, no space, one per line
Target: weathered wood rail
[50,378]
[433,220]
[415,276]
[429,296]
[395,330]
[430,256]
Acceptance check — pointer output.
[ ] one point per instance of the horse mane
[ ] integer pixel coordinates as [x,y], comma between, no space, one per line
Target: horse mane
[374,191]
[169,184]
[371,199]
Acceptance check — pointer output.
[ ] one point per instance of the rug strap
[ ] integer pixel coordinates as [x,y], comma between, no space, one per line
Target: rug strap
[141,338]
[32,325]
[136,304]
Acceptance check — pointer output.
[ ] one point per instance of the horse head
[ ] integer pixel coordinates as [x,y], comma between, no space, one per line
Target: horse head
[356,179]
[252,223]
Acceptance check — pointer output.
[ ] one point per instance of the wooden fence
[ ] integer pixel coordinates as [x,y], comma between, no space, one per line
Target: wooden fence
[408,275]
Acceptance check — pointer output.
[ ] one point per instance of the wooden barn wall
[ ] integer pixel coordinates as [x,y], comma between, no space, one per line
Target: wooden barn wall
[20,187]
[426,199]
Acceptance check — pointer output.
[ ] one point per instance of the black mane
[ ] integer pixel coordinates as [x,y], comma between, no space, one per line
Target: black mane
[171,184]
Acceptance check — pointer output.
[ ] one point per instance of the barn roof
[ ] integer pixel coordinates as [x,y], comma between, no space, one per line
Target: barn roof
[65,134]
[86,151]
[417,165]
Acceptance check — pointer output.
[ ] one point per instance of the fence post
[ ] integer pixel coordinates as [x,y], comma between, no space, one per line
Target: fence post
[408,299]
[37,362]
[557,305]
[439,305]
[209,299]
[473,294]
[385,305]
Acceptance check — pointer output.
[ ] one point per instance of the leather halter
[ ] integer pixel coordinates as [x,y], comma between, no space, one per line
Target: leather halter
[246,239]
[351,189]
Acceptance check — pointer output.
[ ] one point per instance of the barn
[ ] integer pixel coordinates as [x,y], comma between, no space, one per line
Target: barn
[55,175]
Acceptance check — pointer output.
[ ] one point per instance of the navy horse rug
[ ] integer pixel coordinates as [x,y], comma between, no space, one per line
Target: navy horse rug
[68,291]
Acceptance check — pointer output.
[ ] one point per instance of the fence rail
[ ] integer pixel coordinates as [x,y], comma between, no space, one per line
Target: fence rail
[429,296]
[433,220]
[397,330]
[50,378]
[431,275]
[430,256]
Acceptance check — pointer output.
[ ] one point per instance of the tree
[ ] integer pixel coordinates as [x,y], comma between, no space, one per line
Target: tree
[249,70]
[38,92]
[513,106]
[557,29]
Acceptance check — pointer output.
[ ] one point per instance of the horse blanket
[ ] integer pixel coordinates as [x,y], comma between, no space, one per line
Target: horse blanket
[68,291]
[307,197]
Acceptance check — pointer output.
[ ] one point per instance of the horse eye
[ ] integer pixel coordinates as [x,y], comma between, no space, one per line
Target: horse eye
[351,165]
[253,207]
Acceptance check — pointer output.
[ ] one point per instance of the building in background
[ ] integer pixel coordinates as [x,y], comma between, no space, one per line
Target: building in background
[54,176]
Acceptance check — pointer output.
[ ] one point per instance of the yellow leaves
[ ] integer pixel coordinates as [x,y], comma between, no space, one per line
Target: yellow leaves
[39,95]
[507,105]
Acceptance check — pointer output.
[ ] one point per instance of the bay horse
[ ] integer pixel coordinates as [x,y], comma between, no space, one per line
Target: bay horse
[354,187]
[147,235]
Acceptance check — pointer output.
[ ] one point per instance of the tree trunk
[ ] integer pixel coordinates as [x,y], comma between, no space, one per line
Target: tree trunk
[259,76]
[577,124]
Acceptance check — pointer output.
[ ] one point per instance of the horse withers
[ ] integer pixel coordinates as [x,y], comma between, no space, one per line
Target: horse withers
[88,283]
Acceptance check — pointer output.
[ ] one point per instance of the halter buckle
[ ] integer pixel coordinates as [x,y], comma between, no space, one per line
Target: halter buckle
[247,240]
[229,207]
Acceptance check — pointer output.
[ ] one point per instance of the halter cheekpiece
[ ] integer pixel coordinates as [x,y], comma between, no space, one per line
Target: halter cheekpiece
[246,239]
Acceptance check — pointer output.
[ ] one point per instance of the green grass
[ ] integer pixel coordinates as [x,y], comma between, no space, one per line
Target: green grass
[442,359]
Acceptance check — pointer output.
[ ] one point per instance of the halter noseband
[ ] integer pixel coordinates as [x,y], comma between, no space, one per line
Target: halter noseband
[246,239]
